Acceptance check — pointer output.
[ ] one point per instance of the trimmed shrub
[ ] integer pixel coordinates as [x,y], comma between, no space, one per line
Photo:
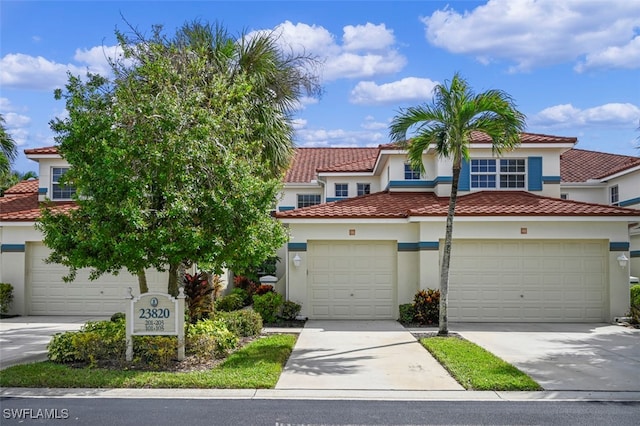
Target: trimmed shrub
[268,305]
[407,313]
[243,323]
[264,288]
[207,338]
[290,310]
[61,350]
[156,352]
[426,304]
[246,284]
[230,302]
[6,297]
[244,294]
[635,304]
[101,341]
[118,316]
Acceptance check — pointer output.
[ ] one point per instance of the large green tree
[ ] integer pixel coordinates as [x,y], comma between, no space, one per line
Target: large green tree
[447,124]
[170,158]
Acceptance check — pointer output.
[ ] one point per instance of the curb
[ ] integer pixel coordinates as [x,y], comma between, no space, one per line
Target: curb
[325,394]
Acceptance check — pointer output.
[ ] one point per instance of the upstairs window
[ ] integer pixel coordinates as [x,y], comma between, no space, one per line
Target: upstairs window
[503,173]
[306,200]
[342,190]
[410,173]
[614,195]
[58,190]
[364,188]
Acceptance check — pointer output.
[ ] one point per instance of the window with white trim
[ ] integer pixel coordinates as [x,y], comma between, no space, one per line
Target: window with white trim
[364,188]
[410,173]
[505,173]
[614,195]
[306,200]
[342,190]
[58,190]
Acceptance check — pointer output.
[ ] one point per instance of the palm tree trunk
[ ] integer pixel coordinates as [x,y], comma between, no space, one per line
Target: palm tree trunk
[142,282]
[443,321]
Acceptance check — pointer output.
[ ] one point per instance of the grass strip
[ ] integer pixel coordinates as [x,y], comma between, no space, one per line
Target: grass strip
[255,366]
[475,368]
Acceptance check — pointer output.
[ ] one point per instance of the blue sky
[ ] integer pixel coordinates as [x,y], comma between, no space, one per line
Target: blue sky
[573,66]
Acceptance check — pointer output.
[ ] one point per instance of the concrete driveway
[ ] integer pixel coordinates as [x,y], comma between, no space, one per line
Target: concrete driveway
[362,355]
[583,357]
[25,339]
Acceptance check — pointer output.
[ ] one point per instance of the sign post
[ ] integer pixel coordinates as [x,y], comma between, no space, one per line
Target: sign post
[155,314]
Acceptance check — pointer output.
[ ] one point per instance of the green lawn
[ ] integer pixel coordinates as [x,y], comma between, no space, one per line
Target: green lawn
[256,366]
[475,368]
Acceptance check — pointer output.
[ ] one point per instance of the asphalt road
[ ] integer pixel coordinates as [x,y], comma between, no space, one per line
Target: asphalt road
[192,412]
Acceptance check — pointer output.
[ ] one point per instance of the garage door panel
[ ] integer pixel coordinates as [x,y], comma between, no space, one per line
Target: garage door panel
[360,277]
[536,281]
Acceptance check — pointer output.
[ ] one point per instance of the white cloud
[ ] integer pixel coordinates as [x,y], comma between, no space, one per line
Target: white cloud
[29,72]
[97,58]
[338,138]
[370,123]
[533,33]
[366,50]
[407,89]
[608,115]
[298,123]
[367,37]
[627,56]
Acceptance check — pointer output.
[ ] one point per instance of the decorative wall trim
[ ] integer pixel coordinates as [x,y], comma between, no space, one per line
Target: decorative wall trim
[629,202]
[42,191]
[618,246]
[285,208]
[12,248]
[634,253]
[297,246]
[419,246]
[420,183]
[551,179]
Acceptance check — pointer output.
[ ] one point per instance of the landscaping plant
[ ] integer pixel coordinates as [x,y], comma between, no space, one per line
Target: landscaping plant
[426,305]
[244,323]
[199,296]
[6,297]
[634,311]
[290,310]
[268,305]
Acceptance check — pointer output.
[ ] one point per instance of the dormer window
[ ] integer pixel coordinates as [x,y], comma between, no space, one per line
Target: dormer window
[364,188]
[58,190]
[506,173]
[614,195]
[342,190]
[410,173]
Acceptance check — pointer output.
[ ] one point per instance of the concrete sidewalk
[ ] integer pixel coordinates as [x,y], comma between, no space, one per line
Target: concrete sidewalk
[362,355]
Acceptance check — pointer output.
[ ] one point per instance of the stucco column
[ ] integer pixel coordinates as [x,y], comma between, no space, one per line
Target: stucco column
[619,295]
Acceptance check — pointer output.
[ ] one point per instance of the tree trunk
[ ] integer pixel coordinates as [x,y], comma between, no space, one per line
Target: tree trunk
[172,287]
[142,281]
[443,329]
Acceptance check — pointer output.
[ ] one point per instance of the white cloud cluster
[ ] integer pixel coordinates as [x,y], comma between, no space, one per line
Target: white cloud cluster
[366,50]
[370,136]
[407,89]
[566,115]
[15,123]
[532,33]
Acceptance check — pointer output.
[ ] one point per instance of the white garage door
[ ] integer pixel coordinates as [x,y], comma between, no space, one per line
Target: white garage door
[48,295]
[533,281]
[352,280]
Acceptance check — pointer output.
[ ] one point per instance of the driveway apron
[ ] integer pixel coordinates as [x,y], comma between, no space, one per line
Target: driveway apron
[565,357]
[367,355]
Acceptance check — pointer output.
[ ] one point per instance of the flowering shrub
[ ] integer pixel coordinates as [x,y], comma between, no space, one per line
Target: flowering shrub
[426,304]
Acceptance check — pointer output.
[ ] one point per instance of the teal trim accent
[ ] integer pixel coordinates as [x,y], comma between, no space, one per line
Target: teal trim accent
[407,246]
[550,179]
[634,253]
[12,248]
[429,245]
[464,182]
[419,246]
[297,246]
[420,183]
[618,246]
[42,191]
[629,202]
[535,173]
[285,208]
[331,199]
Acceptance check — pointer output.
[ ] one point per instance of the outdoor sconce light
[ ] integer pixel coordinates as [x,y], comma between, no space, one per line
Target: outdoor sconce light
[297,260]
[622,260]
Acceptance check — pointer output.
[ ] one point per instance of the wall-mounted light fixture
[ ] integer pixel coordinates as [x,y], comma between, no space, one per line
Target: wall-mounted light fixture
[297,260]
[622,260]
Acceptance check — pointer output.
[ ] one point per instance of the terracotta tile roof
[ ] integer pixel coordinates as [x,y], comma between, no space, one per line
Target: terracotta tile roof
[24,187]
[43,150]
[525,138]
[579,165]
[21,205]
[307,161]
[486,203]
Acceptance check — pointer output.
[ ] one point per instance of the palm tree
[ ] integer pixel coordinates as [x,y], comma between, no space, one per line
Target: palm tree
[8,149]
[447,124]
